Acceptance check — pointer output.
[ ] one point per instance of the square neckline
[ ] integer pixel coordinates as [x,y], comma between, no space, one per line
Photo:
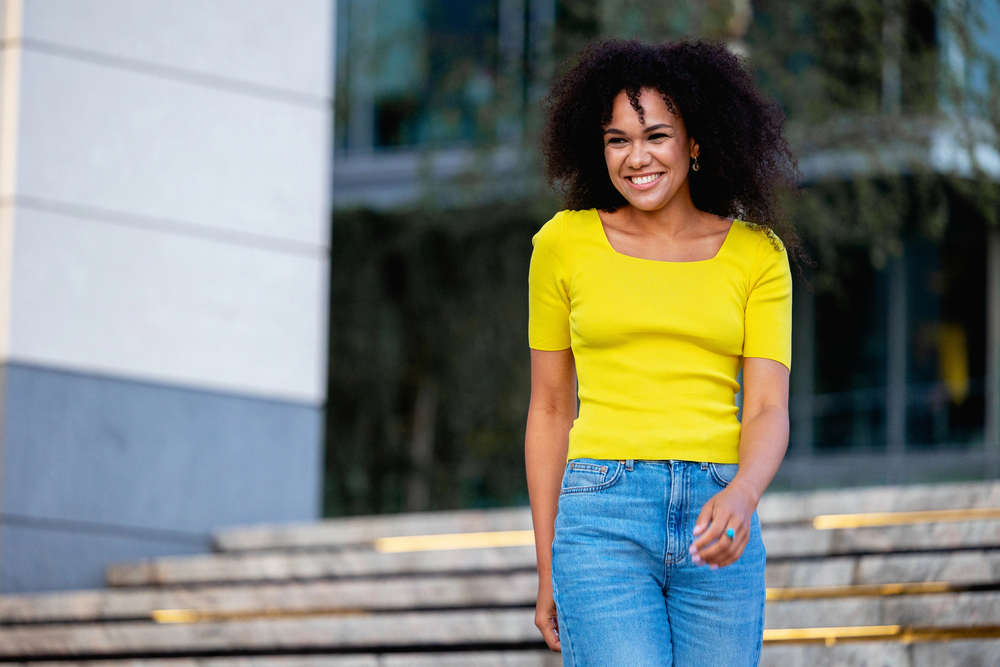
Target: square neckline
[607,243]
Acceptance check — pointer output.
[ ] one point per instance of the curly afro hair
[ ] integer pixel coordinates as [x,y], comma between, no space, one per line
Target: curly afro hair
[744,157]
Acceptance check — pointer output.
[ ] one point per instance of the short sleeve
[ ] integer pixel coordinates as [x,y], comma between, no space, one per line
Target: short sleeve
[768,321]
[548,292]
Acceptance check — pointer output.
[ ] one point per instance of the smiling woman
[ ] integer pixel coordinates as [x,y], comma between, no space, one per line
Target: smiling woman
[647,296]
[648,155]
[744,160]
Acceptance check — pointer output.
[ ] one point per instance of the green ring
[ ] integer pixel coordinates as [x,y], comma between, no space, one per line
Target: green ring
[730,533]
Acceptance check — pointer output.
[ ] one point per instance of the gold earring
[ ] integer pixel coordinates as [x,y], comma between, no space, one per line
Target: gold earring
[695,166]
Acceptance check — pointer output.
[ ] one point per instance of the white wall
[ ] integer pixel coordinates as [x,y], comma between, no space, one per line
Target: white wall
[172,216]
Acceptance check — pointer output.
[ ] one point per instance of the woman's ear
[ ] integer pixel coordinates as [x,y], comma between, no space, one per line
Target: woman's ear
[695,148]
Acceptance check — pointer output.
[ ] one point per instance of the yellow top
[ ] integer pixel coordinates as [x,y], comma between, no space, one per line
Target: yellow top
[658,345]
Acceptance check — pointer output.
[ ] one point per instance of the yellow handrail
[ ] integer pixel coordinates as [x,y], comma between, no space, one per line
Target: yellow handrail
[862,590]
[500,538]
[831,521]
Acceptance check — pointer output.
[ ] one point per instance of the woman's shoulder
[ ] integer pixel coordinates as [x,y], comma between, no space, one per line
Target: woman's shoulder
[755,240]
[559,229]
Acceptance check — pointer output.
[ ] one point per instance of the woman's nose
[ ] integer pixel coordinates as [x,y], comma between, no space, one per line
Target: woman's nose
[638,156]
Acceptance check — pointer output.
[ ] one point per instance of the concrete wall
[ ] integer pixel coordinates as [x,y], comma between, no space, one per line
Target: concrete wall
[164,220]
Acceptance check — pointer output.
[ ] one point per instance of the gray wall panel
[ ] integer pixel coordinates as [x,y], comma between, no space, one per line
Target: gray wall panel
[122,142]
[33,560]
[271,42]
[90,448]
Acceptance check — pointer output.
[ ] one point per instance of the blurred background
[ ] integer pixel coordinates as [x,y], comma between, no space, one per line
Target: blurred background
[266,261]
[893,109]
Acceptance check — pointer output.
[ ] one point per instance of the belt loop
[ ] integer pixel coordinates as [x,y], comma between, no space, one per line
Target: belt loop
[704,465]
[630,465]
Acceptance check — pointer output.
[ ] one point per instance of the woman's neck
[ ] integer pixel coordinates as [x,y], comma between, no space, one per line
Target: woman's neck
[676,219]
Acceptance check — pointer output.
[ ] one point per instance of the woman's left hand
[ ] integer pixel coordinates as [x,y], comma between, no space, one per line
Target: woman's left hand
[730,508]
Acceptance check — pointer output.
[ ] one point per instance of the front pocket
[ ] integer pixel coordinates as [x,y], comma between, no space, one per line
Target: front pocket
[723,473]
[585,475]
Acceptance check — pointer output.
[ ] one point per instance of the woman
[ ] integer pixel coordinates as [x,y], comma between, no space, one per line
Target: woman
[649,295]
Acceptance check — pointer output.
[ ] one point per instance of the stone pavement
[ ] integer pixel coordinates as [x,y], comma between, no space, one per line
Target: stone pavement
[913,590]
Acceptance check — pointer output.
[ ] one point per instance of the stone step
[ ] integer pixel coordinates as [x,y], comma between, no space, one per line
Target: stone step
[799,507]
[394,593]
[364,632]
[280,566]
[804,541]
[517,587]
[803,507]
[512,658]
[364,530]
[868,654]
[962,568]
[945,609]
[789,542]
[974,567]
[975,653]
[375,633]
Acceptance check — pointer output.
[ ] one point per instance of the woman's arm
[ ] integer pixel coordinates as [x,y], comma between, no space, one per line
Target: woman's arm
[763,439]
[546,442]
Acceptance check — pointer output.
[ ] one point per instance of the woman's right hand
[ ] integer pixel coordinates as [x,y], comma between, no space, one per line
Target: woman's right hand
[545,618]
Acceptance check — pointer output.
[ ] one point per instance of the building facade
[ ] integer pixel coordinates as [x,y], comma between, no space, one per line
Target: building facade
[164,231]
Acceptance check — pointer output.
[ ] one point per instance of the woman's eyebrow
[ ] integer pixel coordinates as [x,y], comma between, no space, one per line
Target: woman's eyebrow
[647,130]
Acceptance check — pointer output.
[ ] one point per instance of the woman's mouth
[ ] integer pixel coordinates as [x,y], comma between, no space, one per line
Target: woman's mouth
[644,180]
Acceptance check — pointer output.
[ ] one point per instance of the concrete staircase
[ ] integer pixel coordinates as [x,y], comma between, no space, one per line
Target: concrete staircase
[915,586]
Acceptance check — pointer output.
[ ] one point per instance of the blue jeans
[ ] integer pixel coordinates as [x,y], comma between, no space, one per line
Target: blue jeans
[626,590]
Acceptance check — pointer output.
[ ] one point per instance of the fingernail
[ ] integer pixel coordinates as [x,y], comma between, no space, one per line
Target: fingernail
[696,559]
[692,549]
[713,567]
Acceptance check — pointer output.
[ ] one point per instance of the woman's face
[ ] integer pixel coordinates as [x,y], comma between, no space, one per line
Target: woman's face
[647,159]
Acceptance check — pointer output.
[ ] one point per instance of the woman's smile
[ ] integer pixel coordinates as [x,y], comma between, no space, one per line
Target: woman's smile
[644,181]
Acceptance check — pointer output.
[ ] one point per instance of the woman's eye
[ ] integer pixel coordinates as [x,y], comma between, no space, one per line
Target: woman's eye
[614,141]
[657,136]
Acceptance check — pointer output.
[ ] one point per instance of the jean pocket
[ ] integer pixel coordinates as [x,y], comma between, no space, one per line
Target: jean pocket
[585,475]
[723,473]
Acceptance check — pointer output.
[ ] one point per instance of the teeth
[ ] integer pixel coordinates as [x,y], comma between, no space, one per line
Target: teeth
[642,180]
